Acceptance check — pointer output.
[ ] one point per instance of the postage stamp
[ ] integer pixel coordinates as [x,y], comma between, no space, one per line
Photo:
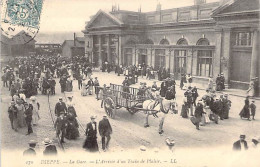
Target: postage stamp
[21,16]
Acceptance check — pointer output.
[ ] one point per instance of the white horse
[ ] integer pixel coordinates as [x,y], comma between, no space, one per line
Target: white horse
[162,108]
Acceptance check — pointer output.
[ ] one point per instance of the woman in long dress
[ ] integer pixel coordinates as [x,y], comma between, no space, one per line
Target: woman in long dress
[245,112]
[184,108]
[251,91]
[20,113]
[84,87]
[72,129]
[36,108]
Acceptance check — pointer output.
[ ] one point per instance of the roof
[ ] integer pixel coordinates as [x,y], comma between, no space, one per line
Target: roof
[20,38]
[236,7]
[80,39]
[70,43]
[112,17]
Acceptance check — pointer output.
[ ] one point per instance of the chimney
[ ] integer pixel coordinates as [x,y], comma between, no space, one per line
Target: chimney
[158,7]
[74,39]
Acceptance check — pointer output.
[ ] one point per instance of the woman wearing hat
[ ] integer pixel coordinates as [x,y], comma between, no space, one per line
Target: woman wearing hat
[36,108]
[20,113]
[90,143]
[245,112]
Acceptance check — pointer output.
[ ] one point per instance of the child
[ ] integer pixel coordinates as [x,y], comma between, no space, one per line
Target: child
[253,108]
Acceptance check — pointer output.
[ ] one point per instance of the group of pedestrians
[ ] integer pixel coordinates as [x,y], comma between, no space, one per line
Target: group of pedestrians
[22,113]
[105,130]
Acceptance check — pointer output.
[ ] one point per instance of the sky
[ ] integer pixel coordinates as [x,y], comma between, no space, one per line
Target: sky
[70,15]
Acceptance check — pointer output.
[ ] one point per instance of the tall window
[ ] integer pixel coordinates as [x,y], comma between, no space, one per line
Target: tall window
[180,57]
[204,63]
[243,38]
[159,58]
[128,56]
[204,66]
[180,61]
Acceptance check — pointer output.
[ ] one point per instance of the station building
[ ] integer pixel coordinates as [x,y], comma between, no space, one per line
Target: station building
[202,40]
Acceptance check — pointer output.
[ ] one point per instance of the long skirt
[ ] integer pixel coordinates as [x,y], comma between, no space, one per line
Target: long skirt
[35,117]
[72,131]
[84,89]
[20,119]
[91,144]
[245,113]
[15,123]
[208,112]
[184,111]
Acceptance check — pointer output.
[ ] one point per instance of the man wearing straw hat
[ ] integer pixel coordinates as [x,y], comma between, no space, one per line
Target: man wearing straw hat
[30,151]
[50,149]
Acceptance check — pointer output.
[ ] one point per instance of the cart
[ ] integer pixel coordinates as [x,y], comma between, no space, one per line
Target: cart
[118,96]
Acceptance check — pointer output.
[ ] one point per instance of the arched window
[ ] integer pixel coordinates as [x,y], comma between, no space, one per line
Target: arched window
[182,41]
[180,57]
[148,41]
[203,41]
[164,42]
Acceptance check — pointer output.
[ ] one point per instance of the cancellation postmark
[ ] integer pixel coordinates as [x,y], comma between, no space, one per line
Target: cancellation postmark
[21,19]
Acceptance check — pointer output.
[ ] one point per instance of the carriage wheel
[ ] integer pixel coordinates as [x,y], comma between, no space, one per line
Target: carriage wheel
[110,107]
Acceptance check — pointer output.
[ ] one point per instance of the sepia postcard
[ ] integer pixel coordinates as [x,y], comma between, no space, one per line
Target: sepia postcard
[149,83]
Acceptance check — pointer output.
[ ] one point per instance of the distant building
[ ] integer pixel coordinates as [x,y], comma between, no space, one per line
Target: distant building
[48,48]
[20,45]
[203,40]
[71,48]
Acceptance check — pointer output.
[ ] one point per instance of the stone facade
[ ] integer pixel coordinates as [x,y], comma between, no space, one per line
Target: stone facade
[202,39]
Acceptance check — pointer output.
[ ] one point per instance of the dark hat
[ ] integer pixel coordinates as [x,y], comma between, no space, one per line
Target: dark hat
[32,142]
[242,136]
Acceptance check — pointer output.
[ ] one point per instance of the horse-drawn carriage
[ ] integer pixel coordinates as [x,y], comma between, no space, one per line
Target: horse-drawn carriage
[134,100]
[118,96]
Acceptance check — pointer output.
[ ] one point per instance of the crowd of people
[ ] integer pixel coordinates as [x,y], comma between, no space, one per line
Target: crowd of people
[25,77]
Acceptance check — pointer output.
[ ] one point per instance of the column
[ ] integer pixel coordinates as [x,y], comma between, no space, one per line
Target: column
[172,61]
[255,54]
[108,50]
[99,51]
[189,61]
[218,52]
[153,58]
[194,65]
[136,55]
[120,49]
[226,54]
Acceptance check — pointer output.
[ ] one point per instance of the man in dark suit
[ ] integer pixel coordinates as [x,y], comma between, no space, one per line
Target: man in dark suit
[60,107]
[28,113]
[30,151]
[90,143]
[105,130]
[241,144]
[50,149]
